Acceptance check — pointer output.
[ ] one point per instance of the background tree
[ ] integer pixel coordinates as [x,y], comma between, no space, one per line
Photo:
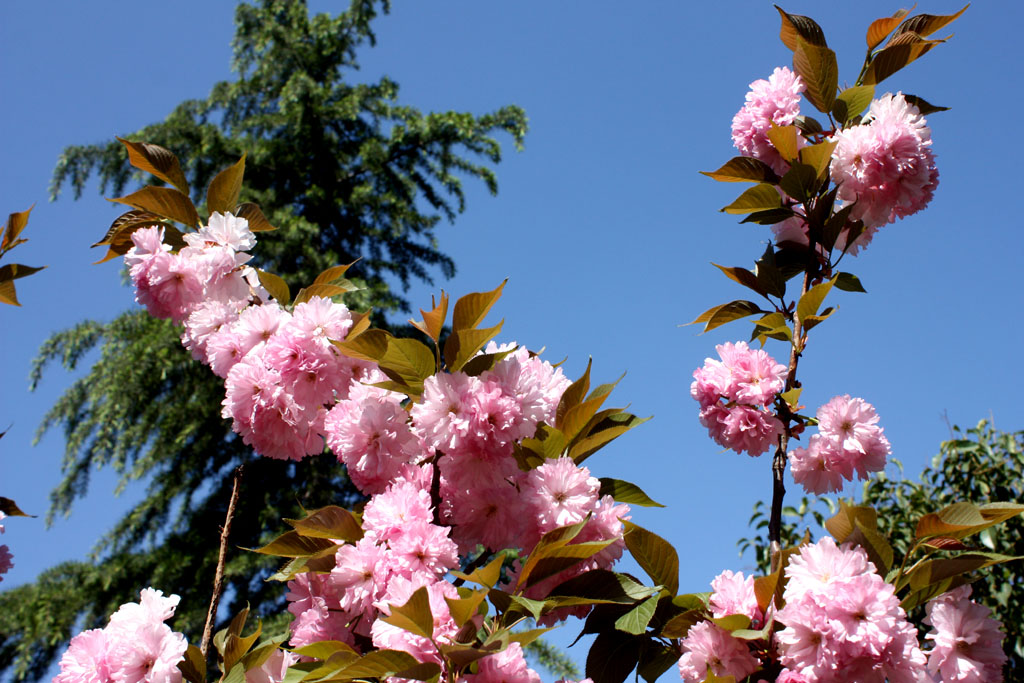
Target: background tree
[345,171]
[981,465]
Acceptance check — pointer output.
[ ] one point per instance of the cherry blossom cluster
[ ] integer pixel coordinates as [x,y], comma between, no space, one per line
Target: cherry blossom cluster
[736,394]
[967,641]
[135,646]
[885,166]
[842,622]
[442,471]
[849,441]
[769,103]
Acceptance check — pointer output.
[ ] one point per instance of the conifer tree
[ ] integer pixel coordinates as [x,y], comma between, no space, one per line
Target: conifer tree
[345,171]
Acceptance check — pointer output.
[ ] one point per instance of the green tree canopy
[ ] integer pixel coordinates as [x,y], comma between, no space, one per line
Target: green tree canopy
[346,171]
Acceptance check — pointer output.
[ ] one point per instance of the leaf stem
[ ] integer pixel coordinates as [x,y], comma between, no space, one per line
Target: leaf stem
[218,579]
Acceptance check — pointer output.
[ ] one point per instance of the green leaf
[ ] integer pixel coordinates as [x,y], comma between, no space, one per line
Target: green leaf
[325,291]
[11,509]
[960,520]
[555,559]
[433,320]
[811,301]
[852,102]
[848,282]
[252,213]
[379,664]
[844,522]
[463,609]
[603,432]
[414,616]
[679,625]
[193,666]
[743,169]
[158,161]
[768,275]
[784,139]
[409,358]
[791,397]
[655,555]
[548,443]
[603,585]
[936,570]
[335,275]
[276,286]
[16,222]
[329,522]
[463,344]
[625,492]
[163,201]
[901,50]
[800,181]
[222,195]
[818,156]
[927,24]
[760,197]
[485,576]
[881,28]
[769,217]
[796,27]
[323,649]
[654,661]
[574,394]
[742,276]
[636,620]
[725,313]
[293,544]
[923,106]
[817,66]
[612,656]
[471,309]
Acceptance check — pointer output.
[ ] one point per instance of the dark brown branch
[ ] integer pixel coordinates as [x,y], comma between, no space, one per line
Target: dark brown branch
[218,579]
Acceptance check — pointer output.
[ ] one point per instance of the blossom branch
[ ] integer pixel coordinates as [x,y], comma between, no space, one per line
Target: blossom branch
[218,579]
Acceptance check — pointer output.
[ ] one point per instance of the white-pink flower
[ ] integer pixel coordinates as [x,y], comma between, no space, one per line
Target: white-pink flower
[772,102]
[967,641]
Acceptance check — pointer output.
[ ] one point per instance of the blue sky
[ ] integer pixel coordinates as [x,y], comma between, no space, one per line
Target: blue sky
[602,224]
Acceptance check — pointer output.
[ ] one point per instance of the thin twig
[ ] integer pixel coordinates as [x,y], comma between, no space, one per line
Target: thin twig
[218,579]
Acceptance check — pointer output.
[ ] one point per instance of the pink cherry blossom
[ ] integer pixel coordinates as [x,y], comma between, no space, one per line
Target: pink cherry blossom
[507,665]
[967,641]
[772,102]
[708,647]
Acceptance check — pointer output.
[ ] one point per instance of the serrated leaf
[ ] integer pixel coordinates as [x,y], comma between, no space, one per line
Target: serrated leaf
[852,102]
[11,509]
[293,544]
[409,358]
[784,139]
[960,520]
[323,649]
[626,492]
[795,27]
[844,522]
[603,432]
[817,66]
[761,197]
[329,522]
[548,443]
[768,275]
[745,170]
[818,156]
[471,309]
[16,222]
[743,277]
[808,125]
[654,661]
[679,625]
[158,161]
[463,344]
[901,50]
[945,543]
[848,282]
[720,315]
[792,397]
[655,555]
[14,271]
[379,663]
[811,301]
[370,345]
[800,181]
[135,219]
[874,544]
[433,320]
[252,213]
[574,394]
[486,576]
[163,201]
[193,665]
[769,217]
[276,286]
[414,616]
[222,194]
[636,620]
[463,609]
[881,28]
[612,656]
[936,570]
[556,559]
[926,24]
[923,106]
[603,585]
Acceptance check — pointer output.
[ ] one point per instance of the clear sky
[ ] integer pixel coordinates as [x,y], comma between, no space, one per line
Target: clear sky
[602,224]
